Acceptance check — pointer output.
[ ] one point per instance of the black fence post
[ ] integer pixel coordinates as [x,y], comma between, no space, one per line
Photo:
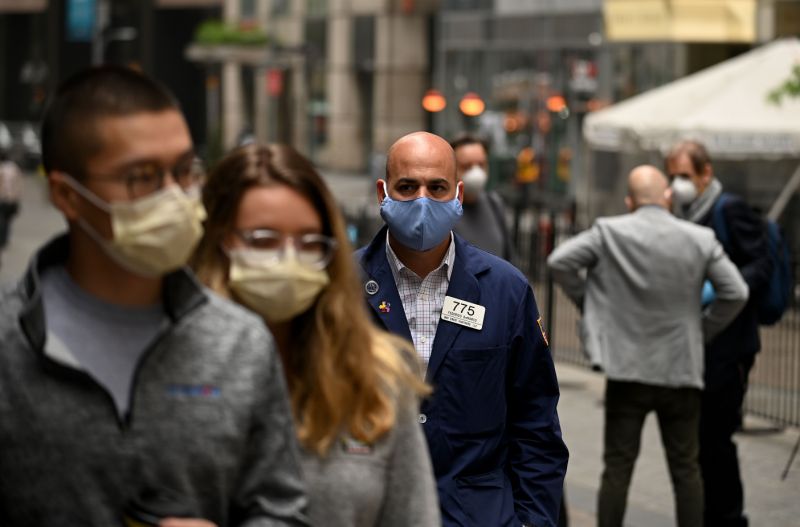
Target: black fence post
[551,301]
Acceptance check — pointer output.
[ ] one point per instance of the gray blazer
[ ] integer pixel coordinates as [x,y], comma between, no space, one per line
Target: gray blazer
[643,319]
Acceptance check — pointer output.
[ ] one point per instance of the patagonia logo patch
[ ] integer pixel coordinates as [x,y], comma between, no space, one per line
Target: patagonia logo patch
[205,391]
[354,446]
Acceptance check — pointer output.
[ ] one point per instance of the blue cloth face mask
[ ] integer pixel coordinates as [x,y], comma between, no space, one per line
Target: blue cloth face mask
[422,223]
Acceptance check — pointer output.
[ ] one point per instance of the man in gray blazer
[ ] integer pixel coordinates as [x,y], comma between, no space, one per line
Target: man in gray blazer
[644,325]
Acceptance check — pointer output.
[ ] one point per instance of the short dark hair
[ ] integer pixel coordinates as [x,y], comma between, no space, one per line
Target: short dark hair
[69,128]
[697,152]
[469,139]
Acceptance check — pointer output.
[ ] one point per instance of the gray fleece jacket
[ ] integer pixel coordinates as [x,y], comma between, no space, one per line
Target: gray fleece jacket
[209,418]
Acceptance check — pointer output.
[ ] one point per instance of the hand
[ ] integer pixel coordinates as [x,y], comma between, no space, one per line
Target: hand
[185,522]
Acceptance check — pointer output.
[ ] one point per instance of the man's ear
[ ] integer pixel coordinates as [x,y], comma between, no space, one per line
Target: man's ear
[379,190]
[63,196]
[668,197]
[460,191]
[629,204]
[708,173]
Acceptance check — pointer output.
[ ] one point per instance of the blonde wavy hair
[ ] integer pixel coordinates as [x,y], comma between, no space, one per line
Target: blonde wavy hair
[344,374]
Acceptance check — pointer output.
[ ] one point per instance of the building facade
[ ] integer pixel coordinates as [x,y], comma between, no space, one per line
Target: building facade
[42,42]
[355,79]
[542,65]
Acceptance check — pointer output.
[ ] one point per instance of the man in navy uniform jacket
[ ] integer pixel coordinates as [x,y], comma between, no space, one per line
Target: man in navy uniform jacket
[491,423]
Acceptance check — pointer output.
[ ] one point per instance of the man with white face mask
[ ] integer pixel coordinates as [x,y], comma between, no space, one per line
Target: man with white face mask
[483,223]
[698,196]
[126,390]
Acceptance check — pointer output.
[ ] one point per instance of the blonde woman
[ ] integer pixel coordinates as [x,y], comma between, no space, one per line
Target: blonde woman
[275,242]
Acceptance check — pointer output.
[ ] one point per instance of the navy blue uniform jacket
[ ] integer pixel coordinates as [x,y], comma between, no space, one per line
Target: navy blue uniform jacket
[491,422]
[747,248]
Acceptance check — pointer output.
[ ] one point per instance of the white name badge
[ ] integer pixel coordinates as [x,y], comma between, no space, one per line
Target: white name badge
[463,312]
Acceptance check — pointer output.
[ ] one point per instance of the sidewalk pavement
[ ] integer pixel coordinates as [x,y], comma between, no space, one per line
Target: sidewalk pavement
[763,456]
[769,501]
[36,222]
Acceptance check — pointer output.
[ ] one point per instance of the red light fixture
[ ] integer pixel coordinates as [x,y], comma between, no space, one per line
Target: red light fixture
[471,104]
[556,103]
[433,101]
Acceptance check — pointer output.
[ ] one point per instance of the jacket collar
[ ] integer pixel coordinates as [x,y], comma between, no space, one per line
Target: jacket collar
[182,293]
[469,263]
[380,287]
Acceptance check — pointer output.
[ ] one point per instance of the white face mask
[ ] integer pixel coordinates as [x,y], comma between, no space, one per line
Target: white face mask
[152,235]
[278,291]
[475,180]
[683,191]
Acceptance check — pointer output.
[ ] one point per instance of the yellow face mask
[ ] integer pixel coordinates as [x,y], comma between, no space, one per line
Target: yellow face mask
[278,291]
[152,235]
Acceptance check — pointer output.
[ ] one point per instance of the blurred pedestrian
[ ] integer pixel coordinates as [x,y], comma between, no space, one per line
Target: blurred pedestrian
[643,322]
[125,387]
[10,194]
[276,242]
[491,422]
[730,356]
[483,223]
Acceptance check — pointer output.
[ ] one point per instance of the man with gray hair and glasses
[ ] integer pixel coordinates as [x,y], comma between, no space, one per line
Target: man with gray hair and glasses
[699,197]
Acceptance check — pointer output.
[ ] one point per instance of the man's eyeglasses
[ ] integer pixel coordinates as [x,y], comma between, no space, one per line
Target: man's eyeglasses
[147,178]
[315,250]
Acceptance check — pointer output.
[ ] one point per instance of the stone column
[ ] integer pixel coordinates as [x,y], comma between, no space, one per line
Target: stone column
[232,95]
[401,77]
[261,105]
[345,148]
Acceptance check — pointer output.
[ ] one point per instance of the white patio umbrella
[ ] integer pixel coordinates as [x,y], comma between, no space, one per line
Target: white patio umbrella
[725,106]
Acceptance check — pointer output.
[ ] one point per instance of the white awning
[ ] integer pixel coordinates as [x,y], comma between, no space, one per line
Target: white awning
[724,106]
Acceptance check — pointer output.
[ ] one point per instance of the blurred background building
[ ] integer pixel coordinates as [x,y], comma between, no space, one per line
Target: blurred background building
[342,79]
[542,65]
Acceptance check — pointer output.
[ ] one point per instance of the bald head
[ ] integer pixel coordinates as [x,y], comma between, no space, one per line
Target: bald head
[421,149]
[647,185]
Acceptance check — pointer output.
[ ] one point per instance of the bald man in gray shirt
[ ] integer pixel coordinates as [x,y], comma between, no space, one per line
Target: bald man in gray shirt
[645,326]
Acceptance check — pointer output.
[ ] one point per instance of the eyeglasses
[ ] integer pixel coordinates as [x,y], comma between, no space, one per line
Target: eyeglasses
[315,250]
[147,178]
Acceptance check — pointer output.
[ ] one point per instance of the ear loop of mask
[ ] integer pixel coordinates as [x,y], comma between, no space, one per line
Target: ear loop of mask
[99,203]
[86,193]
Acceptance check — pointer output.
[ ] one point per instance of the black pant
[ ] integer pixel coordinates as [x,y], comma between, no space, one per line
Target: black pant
[678,412]
[720,417]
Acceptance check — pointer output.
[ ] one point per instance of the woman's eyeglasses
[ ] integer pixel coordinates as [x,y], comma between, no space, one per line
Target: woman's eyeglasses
[315,250]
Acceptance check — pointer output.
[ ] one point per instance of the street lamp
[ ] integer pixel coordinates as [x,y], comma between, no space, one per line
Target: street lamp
[433,101]
[471,104]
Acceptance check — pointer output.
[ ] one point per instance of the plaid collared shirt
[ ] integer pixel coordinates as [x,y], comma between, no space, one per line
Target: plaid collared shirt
[422,298]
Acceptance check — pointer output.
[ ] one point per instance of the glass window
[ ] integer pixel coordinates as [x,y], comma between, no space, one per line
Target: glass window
[280,7]
[317,7]
[247,9]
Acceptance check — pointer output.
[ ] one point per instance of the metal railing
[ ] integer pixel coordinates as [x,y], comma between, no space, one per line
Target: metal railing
[774,390]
